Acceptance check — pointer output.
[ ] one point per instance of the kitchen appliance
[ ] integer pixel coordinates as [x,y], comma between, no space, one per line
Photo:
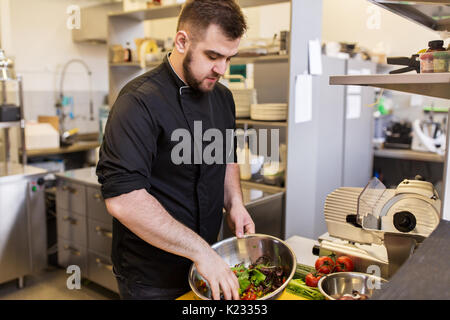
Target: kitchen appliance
[334,285]
[379,228]
[23,243]
[23,229]
[398,135]
[247,250]
[429,134]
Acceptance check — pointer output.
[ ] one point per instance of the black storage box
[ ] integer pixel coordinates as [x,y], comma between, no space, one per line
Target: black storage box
[9,113]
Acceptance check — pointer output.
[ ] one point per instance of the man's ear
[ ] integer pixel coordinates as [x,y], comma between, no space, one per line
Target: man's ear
[181,41]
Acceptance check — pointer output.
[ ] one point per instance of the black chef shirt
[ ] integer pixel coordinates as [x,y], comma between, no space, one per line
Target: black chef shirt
[136,154]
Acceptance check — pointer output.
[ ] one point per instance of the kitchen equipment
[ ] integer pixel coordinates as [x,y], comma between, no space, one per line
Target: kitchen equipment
[398,135]
[412,64]
[379,228]
[334,285]
[247,250]
[429,134]
[11,107]
[23,236]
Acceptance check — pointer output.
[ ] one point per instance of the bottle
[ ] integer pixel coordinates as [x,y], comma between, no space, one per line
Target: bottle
[127,53]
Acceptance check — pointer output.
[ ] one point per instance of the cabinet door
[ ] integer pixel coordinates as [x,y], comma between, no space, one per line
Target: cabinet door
[96,208]
[70,253]
[100,271]
[71,226]
[71,196]
[14,245]
[100,236]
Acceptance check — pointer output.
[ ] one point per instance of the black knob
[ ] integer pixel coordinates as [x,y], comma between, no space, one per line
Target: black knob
[404,221]
[316,250]
[40,181]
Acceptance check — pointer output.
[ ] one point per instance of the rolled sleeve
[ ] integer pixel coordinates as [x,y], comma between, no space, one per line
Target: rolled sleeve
[128,149]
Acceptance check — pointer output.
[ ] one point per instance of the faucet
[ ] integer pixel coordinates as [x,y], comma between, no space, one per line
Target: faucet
[59,103]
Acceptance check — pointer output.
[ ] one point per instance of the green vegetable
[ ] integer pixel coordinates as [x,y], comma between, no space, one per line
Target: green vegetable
[302,271]
[257,276]
[298,287]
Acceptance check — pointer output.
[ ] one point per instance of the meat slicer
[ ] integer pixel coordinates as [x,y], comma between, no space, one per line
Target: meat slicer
[379,228]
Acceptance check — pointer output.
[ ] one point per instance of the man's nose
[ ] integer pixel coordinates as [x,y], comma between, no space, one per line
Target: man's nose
[220,67]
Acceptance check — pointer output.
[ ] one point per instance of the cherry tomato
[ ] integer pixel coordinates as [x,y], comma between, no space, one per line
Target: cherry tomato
[343,263]
[311,280]
[324,261]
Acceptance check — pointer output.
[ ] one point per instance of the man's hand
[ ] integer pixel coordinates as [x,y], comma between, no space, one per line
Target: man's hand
[219,275]
[239,221]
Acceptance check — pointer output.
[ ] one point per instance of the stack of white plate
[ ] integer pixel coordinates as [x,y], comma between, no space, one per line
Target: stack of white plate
[269,111]
[243,99]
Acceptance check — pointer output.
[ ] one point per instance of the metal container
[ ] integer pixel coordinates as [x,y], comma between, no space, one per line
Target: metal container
[334,285]
[247,250]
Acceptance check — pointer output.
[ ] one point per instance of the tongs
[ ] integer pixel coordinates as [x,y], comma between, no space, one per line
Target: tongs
[412,64]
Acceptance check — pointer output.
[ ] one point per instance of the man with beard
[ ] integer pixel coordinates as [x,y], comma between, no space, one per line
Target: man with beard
[166,213]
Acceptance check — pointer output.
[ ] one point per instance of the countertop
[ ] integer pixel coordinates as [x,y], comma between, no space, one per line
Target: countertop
[88,177]
[76,147]
[9,169]
[425,275]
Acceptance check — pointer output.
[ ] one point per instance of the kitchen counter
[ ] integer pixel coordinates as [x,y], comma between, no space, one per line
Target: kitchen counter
[76,147]
[425,275]
[87,176]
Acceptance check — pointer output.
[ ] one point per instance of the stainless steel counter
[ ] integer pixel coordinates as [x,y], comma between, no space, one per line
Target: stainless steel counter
[87,176]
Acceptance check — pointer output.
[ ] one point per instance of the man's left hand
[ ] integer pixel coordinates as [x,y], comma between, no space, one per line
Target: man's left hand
[240,222]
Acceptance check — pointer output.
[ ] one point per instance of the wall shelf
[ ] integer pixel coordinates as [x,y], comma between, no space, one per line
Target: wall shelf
[262,123]
[408,155]
[428,84]
[171,11]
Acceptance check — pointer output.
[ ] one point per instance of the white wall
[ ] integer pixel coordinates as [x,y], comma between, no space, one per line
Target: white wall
[35,35]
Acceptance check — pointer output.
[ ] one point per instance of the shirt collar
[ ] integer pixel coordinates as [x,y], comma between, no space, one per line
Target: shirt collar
[180,83]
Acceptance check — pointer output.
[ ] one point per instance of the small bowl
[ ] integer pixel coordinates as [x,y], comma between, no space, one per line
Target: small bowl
[247,250]
[334,285]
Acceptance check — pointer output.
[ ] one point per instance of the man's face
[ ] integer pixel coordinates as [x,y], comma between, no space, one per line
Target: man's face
[207,59]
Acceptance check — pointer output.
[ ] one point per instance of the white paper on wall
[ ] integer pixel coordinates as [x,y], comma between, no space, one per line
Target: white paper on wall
[303,98]
[353,106]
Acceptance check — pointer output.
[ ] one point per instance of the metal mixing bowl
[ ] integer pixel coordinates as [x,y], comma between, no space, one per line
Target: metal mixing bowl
[334,285]
[247,250]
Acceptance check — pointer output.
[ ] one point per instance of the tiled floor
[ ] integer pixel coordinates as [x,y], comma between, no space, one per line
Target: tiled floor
[51,285]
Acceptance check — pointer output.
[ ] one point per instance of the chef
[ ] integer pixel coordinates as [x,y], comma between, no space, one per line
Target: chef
[167,212]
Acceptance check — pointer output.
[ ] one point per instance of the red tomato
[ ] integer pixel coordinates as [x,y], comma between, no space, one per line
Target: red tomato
[324,261]
[343,263]
[325,269]
[312,280]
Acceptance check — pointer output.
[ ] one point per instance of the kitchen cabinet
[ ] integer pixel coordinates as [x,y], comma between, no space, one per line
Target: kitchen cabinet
[84,226]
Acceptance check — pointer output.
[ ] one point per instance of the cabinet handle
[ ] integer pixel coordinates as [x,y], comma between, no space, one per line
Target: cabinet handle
[72,250]
[70,189]
[103,232]
[104,265]
[70,219]
[97,196]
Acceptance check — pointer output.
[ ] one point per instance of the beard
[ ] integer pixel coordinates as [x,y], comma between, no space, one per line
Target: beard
[191,80]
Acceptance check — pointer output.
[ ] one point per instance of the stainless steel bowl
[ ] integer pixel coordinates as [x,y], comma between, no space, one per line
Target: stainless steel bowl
[247,250]
[334,285]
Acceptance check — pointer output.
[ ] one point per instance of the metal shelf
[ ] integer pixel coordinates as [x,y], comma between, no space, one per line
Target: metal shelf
[234,61]
[432,14]
[171,11]
[408,155]
[428,84]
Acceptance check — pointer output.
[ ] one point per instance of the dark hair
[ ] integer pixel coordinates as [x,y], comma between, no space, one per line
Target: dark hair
[199,14]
